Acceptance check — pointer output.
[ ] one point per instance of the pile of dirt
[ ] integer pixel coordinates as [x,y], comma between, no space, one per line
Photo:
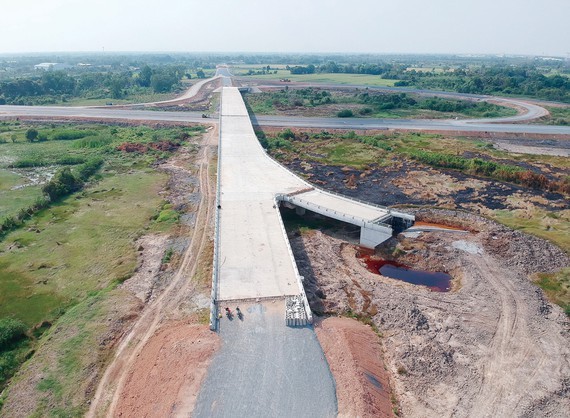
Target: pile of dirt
[146,279]
[161,382]
[493,346]
[354,354]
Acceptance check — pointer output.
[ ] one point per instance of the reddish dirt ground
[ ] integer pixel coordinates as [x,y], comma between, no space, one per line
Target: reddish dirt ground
[354,354]
[166,376]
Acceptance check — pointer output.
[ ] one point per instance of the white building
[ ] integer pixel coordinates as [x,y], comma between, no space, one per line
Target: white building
[51,66]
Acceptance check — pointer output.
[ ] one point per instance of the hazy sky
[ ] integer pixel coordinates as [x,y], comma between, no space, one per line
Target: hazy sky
[383,26]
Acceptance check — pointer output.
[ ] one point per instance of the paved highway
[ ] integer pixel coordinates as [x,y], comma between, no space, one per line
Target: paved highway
[413,124]
[87,113]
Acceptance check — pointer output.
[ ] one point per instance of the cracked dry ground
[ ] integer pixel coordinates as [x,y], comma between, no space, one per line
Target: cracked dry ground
[493,346]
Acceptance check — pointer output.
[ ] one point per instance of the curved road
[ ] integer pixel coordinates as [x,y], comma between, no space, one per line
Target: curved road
[87,113]
[530,111]
[499,125]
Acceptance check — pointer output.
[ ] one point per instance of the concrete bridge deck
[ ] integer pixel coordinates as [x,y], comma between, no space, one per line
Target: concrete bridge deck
[253,258]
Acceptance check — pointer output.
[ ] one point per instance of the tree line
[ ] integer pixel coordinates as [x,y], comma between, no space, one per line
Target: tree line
[524,80]
[116,85]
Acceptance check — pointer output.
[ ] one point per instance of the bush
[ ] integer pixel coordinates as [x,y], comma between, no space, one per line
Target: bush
[61,185]
[287,134]
[31,134]
[70,160]
[11,330]
[346,113]
[86,170]
[70,134]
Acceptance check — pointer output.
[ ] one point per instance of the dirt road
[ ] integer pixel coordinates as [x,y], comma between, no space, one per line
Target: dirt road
[111,387]
[492,347]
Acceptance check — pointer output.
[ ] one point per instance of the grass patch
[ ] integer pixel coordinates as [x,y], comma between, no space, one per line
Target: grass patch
[551,226]
[557,287]
[15,193]
[79,338]
[324,103]
[43,274]
[558,115]
[343,79]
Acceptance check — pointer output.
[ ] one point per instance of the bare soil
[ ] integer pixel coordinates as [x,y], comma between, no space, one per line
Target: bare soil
[167,374]
[354,354]
[151,340]
[493,346]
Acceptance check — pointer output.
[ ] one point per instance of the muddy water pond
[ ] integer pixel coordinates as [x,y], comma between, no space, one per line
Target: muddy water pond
[434,280]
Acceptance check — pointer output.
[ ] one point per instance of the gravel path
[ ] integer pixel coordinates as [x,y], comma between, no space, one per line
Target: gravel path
[265,369]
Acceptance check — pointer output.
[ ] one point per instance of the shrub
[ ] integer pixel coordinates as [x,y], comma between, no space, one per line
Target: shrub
[287,134]
[345,113]
[70,160]
[32,134]
[11,330]
[86,170]
[61,185]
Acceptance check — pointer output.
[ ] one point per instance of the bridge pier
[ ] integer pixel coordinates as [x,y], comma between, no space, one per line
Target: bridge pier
[300,211]
[371,237]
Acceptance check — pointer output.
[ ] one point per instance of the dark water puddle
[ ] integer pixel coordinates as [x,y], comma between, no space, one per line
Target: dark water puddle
[435,281]
[372,379]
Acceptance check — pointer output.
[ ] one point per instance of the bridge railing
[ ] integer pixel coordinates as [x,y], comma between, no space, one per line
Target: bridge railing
[324,210]
[215,267]
[294,263]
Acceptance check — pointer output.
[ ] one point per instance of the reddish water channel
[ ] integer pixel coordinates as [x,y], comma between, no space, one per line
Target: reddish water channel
[435,281]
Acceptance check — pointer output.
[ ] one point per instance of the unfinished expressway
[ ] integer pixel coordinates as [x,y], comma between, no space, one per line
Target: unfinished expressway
[265,368]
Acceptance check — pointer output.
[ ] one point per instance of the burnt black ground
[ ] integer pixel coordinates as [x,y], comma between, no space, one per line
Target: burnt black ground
[378,186]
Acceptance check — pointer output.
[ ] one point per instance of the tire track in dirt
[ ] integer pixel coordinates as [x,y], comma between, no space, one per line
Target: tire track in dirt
[511,346]
[110,387]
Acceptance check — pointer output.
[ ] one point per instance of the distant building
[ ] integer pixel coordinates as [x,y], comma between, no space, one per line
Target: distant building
[51,66]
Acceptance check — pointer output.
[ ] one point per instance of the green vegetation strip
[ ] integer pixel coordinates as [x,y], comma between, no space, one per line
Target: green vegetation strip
[371,104]
[74,234]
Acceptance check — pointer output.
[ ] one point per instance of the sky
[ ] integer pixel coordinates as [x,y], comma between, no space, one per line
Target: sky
[527,27]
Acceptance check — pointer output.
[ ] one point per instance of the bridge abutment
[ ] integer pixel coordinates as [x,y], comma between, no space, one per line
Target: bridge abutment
[372,237]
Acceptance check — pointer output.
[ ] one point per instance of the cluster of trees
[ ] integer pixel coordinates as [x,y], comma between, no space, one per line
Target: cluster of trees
[333,67]
[62,85]
[62,184]
[528,80]
[405,101]
[524,80]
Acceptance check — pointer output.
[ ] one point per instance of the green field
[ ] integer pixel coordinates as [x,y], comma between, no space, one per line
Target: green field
[357,79]
[558,115]
[325,103]
[62,255]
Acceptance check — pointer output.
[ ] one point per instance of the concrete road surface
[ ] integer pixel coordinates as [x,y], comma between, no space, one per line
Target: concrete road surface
[51,112]
[481,125]
[265,369]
